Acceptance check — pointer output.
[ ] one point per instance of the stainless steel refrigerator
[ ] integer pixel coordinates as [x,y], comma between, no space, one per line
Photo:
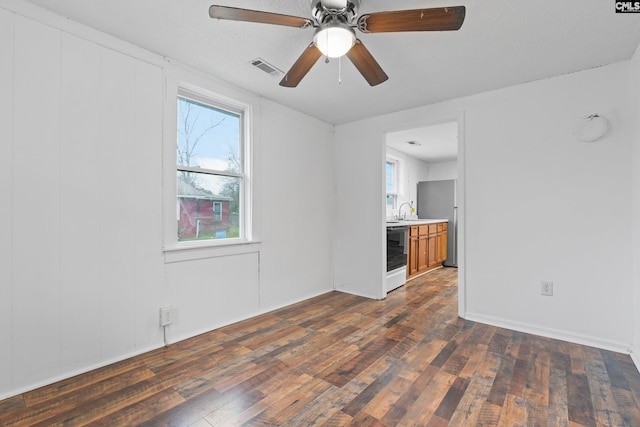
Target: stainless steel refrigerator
[438,200]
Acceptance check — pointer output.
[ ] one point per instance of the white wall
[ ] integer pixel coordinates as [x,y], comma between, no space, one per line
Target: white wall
[82,270]
[635,111]
[443,170]
[359,189]
[296,206]
[538,205]
[410,172]
[6,206]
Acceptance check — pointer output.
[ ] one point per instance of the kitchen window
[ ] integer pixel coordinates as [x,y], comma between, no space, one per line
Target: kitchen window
[391,168]
[210,170]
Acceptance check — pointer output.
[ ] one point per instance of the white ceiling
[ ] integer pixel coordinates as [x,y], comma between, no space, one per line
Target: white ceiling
[436,143]
[502,43]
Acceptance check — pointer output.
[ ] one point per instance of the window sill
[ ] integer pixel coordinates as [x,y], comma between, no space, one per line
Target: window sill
[190,252]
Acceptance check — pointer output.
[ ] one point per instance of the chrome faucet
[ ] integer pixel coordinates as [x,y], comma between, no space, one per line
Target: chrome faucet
[400,209]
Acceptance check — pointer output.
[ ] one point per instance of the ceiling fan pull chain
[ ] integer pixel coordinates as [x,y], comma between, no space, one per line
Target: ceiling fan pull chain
[340,70]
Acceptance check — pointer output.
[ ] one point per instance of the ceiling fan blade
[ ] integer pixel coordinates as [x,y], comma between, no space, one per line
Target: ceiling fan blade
[247,15]
[301,67]
[435,19]
[366,64]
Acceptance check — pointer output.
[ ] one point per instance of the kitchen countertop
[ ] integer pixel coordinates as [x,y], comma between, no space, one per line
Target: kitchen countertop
[415,222]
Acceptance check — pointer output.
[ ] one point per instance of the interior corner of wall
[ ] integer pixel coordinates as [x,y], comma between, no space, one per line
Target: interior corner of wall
[635,356]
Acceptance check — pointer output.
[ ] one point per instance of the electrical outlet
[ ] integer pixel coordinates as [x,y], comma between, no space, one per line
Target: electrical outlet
[166,317]
[546,288]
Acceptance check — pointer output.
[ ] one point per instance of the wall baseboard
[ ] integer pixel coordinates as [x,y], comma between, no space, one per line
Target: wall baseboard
[618,347]
[358,294]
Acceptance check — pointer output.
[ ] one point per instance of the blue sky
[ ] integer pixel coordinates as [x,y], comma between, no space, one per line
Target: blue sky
[218,143]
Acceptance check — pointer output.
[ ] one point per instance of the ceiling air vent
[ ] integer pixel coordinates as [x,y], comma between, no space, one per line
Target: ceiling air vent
[266,67]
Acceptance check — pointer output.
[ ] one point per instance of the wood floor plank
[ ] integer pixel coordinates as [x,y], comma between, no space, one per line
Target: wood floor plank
[450,401]
[579,400]
[398,410]
[536,388]
[558,413]
[424,407]
[193,410]
[103,375]
[470,408]
[388,396]
[345,372]
[83,394]
[502,381]
[373,389]
[142,411]
[489,415]
[628,406]
[514,413]
[108,404]
[600,386]
[12,404]
[344,360]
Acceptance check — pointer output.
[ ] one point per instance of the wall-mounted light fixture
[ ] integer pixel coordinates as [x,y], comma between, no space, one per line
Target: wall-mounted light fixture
[590,128]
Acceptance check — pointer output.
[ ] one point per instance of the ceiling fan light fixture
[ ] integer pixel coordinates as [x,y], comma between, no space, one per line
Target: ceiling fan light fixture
[334,39]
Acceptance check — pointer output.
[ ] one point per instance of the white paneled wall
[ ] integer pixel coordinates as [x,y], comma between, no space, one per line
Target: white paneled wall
[82,267]
[6,200]
[85,184]
[80,191]
[359,239]
[36,201]
[147,189]
[300,191]
[213,292]
[635,111]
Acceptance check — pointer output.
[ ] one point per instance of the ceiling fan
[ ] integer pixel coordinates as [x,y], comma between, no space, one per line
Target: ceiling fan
[335,21]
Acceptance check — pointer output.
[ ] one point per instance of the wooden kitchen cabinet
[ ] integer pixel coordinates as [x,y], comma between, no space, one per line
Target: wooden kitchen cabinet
[426,248]
[412,262]
[443,242]
[423,248]
[434,246]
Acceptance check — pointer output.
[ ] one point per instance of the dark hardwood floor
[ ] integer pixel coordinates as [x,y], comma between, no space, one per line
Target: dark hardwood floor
[344,360]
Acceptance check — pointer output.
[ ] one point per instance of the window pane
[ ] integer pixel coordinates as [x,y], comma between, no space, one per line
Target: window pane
[208,137]
[390,185]
[391,201]
[390,178]
[208,206]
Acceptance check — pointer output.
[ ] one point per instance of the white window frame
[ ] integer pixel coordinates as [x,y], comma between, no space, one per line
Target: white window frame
[210,101]
[174,250]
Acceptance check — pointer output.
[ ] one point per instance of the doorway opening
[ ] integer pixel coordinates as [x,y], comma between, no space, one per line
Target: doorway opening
[425,180]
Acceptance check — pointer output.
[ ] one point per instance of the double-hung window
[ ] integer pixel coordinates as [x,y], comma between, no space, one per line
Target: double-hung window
[210,169]
[391,168]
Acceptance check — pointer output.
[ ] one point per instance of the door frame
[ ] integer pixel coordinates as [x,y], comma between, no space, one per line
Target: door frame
[431,120]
